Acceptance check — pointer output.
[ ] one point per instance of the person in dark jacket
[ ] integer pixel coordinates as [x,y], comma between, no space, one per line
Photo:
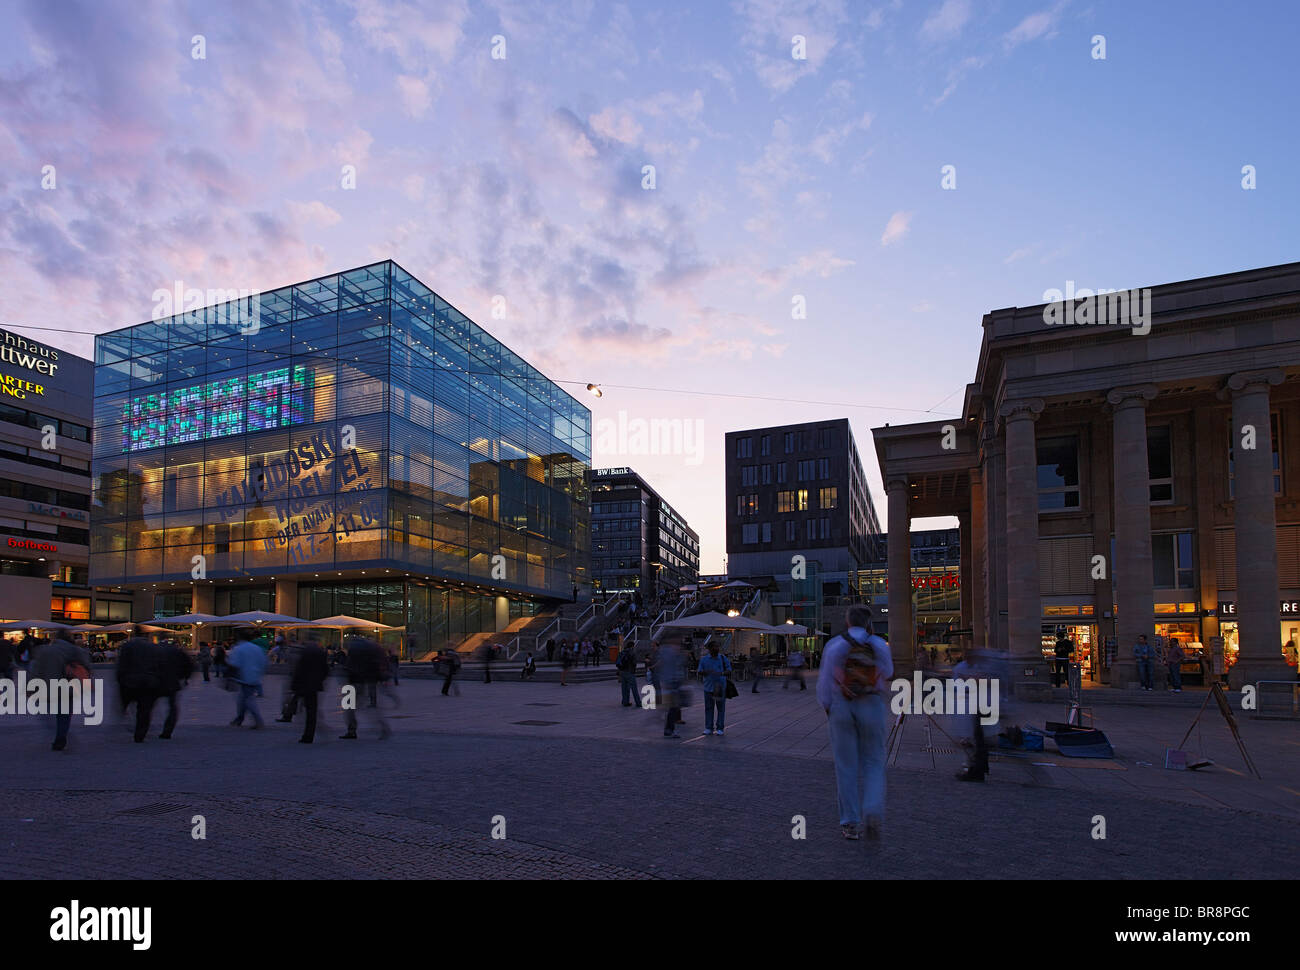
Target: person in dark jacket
[175,670]
[51,664]
[366,666]
[308,680]
[205,661]
[219,661]
[139,680]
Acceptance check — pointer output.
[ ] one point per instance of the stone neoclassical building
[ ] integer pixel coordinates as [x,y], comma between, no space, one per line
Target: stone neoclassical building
[1125,464]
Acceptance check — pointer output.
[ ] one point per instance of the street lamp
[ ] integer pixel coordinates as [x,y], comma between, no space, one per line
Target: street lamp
[595,390]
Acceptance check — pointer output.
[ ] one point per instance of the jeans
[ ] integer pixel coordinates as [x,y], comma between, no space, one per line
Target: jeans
[628,684]
[1144,674]
[248,703]
[206,668]
[144,702]
[796,673]
[857,735]
[1175,676]
[447,685]
[710,701]
[61,724]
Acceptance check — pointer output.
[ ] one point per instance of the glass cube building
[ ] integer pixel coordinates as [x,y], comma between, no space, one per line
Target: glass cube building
[349,445]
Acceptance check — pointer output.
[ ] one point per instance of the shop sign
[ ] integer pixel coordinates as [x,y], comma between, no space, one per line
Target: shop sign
[33,545]
[1285,607]
[57,513]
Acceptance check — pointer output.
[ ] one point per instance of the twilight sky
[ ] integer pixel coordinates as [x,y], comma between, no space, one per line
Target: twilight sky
[778,181]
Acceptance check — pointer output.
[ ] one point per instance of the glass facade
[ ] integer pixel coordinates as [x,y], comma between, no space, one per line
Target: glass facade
[349,423]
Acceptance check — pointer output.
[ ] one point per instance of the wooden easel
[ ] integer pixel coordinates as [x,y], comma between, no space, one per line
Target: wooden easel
[1216,691]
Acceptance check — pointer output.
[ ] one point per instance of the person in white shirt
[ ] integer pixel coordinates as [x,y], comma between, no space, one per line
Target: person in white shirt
[856,711]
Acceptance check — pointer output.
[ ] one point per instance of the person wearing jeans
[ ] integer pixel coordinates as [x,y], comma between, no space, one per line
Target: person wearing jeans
[857,725]
[1143,654]
[715,668]
[249,661]
[1174,659]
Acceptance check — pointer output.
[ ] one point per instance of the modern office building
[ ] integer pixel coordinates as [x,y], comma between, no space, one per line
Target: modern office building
[936,585]
[1121,471]
[348,445]
[799,491]
[638,541]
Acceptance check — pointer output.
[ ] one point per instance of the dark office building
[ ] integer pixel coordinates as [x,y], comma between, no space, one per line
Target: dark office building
[352,444]
[797,490]
[638,541]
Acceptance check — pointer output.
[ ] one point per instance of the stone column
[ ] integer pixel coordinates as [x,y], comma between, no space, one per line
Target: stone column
[975,578]
[286,597]
[1255,520]
[1029,671]
[995,539]
[902,630]
[1131,571]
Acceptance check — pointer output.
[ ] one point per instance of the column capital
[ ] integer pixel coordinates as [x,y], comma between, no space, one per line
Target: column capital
[1022,407]
[897,481]
[1134,395]
[1253,381]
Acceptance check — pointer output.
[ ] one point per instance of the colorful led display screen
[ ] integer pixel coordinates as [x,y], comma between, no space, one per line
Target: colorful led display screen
[269,399]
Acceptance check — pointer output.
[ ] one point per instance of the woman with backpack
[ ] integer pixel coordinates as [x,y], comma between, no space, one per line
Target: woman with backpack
[852,688]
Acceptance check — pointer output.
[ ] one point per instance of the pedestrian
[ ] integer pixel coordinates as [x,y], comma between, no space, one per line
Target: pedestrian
[756,668]
[6,659]
[595,650]
[366,666]
[1064,650]
[393,663]
[671,677]
[175,670]
[716,669]
[310,672]
[248,661]
[55,660]
[795,663]
[651,675]
[550,649]
[855,672]
[488,650]
[451,664]
[1144,655]
[977,766]
[566,661]
[529,669]
[139,680]
[205,661]
[219,660]
[1174,657]
[626,666]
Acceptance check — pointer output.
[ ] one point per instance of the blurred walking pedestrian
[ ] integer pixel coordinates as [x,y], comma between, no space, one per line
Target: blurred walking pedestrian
[670,673]
[205,661]
[219,660]
[366,667]
[626,665]
[855,672]
[248,661]
[795,662]
[451,663]
[175,670]
[310,671]
[139,680]
[59,659]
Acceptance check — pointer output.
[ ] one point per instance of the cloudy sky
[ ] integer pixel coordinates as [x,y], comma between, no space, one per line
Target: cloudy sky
[786,175]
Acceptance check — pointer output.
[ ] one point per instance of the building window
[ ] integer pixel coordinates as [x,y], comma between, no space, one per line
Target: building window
[744,447]
[807,470]
[825,438]
[1058,473]
[1160,463]
[823,527]
[785,501]
[780,473]
[749,474]
[811,528]
[828,498]
[802,500]
[790,530]
[789,442]
[747,504]
[1171,560]
[1274,423]
[767,531]
[765,444]
[749,533]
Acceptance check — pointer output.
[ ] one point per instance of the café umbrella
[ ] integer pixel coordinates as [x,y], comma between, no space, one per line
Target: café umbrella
[260,618]
[33,625]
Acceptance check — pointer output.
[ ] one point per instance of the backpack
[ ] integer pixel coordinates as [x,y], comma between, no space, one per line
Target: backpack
[860,671]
